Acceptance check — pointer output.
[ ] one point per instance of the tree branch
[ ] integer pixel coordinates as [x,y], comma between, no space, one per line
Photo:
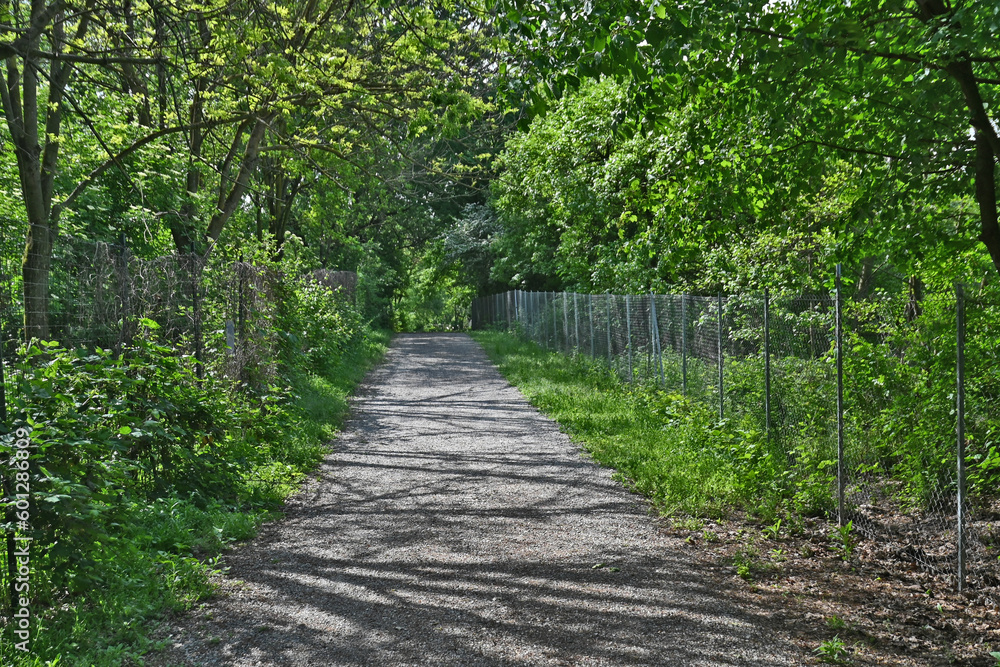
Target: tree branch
[135,146]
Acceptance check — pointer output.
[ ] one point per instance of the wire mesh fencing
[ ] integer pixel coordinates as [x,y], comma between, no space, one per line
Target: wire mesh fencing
[219,315]
[884,410]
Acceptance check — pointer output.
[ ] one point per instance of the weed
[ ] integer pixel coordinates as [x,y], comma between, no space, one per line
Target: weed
[834,651]
[689,523]
[836,623]
[844,540]
[745,562]
[773,531]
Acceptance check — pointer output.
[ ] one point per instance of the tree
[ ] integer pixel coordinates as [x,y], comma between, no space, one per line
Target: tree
[232,81]
[903,84]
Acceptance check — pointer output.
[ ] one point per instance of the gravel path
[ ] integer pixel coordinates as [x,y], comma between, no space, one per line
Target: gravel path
[455,525]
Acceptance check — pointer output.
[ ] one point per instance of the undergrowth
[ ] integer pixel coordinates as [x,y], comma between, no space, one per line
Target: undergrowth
[195,468]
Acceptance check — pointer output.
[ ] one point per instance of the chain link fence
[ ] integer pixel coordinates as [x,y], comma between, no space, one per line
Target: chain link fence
[885,412]
[217,314]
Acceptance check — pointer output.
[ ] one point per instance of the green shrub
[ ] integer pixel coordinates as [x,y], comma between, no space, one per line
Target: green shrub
[141,473]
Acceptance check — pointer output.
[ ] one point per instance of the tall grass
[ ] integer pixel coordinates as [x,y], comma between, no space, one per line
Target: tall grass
[671,448]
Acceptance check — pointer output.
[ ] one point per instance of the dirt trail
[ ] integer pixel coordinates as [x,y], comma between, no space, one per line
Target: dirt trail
[455,525]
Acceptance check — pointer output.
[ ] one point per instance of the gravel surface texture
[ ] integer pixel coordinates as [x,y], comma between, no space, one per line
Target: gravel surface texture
[453,524]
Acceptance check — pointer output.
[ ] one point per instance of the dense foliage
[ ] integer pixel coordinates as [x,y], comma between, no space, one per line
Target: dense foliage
[585,206]
[141,472]
[777,98]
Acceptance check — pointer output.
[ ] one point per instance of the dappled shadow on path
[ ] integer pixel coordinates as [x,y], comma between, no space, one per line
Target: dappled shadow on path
[456,525]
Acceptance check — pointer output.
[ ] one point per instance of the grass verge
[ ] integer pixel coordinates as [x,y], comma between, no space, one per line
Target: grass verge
[668,447]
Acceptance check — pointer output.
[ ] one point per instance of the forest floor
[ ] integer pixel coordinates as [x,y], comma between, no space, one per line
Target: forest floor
[455,524]
[876,608]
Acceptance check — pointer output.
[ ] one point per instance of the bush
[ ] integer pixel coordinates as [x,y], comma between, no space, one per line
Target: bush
[140,472]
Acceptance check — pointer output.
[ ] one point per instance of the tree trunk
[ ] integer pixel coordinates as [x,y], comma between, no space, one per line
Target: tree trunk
[36,165]
[228,203]
[914,306]
[35,270]
[987,139]
[182,227]
[866,280]
[283,193]
[986,196]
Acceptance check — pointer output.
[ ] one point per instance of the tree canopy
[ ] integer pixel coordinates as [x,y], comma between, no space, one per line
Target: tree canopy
[191,113]
[778,97]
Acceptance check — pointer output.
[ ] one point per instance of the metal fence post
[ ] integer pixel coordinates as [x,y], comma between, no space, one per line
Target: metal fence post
[651,353]
[526,313]
[526,305]
[841,469]
[126,292]
[565,300]
[513,312]
[538,314]
[607,307]
[628,333]
[199,368]
[960,428]
[241,330]
[555,324]
[684,346]
[590,312]
[722,394]
[659,352]
[767,364]
[533,314]
[655,326]
[522,310]
[576,323]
